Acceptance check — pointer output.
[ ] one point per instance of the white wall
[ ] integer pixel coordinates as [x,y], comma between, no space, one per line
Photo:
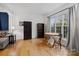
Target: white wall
[33,18]
[14,19]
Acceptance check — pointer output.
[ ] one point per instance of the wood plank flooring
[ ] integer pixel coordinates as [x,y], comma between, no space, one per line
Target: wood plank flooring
[34,47]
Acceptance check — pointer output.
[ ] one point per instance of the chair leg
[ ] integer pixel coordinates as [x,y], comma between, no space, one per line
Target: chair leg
[60,45]
[60,40]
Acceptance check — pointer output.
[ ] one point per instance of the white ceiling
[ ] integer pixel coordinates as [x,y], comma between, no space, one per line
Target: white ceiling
[33,8]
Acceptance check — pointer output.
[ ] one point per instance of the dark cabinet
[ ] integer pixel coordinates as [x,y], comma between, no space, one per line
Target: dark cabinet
[27,30]
[40,30]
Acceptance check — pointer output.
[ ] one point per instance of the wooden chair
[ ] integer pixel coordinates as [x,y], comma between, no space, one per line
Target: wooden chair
[58,41]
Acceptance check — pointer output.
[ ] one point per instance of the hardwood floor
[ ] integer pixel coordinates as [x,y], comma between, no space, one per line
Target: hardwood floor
[34,47]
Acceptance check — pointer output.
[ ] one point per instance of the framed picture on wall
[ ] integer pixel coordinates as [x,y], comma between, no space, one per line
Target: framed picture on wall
[20,23]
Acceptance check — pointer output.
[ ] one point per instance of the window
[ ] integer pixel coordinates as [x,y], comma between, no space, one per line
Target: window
[59,24]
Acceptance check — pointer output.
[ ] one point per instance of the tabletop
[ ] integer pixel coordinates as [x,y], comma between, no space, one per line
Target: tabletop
[51,33]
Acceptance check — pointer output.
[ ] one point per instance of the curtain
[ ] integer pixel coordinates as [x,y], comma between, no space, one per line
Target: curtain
[77,28]
[73,42]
